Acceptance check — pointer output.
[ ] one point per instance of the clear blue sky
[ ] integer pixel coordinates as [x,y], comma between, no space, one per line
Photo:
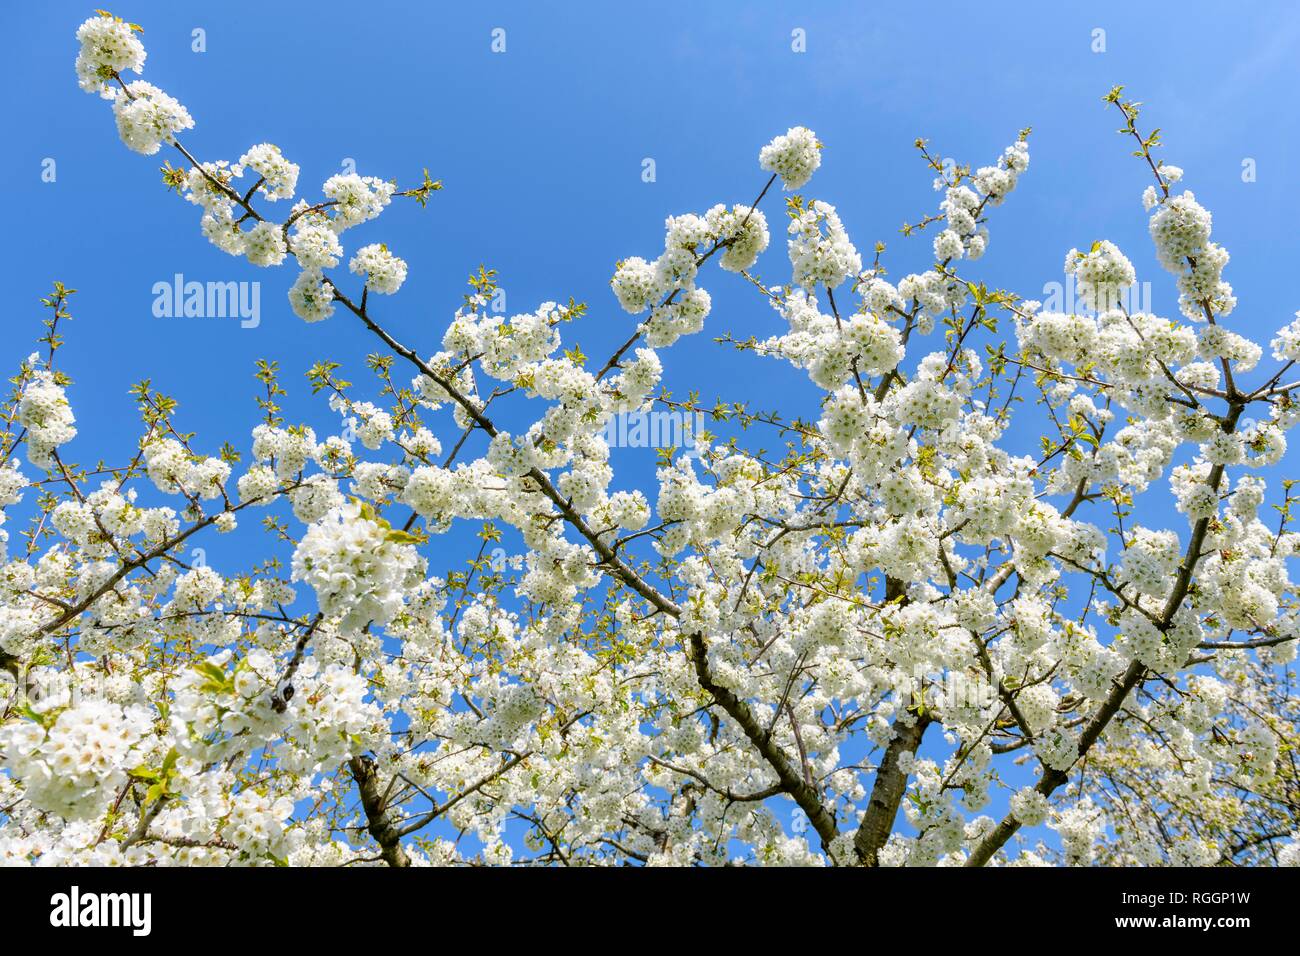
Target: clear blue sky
[540,149]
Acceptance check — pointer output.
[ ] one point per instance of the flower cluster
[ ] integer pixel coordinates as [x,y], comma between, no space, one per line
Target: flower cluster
[1180,228]
[1103,273]
[820,250]
[278,177]
[356,199]
[357,565]
[44,411]
[794,156]
[72,761]
[384,272]
[147,117]
[1063,552]
[109,45]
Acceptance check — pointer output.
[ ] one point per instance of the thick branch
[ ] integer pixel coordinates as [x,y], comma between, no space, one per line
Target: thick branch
[378,816]
[804,795]
[887,793]
[1133,676]
[790,780]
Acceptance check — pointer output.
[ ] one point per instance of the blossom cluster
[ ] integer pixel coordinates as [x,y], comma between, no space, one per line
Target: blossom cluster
[885,628]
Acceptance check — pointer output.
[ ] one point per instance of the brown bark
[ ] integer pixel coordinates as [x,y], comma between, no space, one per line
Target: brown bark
[790,780]
[887,791]
[378,818]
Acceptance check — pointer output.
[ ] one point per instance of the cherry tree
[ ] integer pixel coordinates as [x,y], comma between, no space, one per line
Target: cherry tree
[848,652]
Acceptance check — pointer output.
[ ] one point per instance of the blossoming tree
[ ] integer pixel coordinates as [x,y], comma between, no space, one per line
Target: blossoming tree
[838,656]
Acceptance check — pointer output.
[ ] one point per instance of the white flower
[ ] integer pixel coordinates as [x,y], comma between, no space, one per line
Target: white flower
[384,272]
[820,250]
[44,411]
[147,117]
[316,246]
[744,229]
[108,46]
[635,284]
[311,297]
[355,199]
[1029,807]
[264,244]
[71,768]
[1286,344]
[280,175]
[1103,273]
[258,484]
[357,566]
[794,156]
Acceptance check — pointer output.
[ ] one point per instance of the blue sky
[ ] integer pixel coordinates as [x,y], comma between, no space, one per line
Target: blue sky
[541,149]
